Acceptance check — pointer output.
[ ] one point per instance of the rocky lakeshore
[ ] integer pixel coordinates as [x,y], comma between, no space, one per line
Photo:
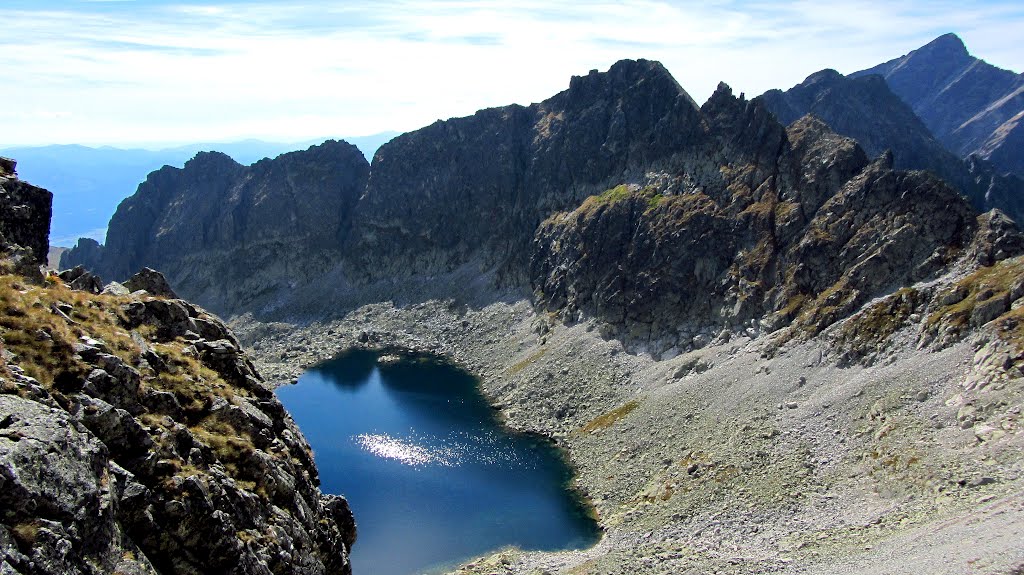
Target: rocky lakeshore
[135,435]
[740,456]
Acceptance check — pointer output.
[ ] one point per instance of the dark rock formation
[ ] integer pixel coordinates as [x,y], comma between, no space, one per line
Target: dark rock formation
[81,279]
[226,234]
[87,252]
[136,437]
[864,108]
[801,230]
[24,213]
[473,189]
[971,106]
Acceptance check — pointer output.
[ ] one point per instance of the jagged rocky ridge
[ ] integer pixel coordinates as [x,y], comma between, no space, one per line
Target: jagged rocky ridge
[798,241]
[971,106]
[865,109]
[136,437]
[209,225]
[467,196]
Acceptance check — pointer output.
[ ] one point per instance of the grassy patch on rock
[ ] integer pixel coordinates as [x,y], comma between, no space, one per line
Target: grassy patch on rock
[985,295]
[606,420]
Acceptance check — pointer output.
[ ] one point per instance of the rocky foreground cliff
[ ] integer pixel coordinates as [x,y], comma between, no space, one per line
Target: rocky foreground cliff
[136,437]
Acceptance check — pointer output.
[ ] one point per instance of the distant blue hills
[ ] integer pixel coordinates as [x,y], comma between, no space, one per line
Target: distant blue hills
[89,182]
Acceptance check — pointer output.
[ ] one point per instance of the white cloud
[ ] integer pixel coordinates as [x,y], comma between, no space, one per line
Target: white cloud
[218,71]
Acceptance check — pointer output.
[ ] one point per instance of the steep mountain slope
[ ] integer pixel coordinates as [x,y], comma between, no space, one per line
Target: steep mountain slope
[136,437]
[226,234]
[801,239]
[474,188]
[971,106]
[865,109]
[91,181]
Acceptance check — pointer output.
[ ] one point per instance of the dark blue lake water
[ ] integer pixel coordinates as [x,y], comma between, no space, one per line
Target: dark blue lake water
[432,477]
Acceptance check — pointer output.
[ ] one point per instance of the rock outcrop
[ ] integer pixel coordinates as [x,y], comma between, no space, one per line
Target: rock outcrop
[230,236]
[87,253]
[800,237]
[972,107]
[24,213]
[136,436]
[865,109]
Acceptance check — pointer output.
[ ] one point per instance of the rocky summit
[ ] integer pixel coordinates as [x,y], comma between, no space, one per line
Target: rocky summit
[971,106]
[136,436]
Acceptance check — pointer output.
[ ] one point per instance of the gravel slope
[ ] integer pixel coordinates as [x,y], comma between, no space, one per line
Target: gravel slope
[737,457]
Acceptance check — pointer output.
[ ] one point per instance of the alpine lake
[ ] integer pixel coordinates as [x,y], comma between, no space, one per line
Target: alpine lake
[432,476]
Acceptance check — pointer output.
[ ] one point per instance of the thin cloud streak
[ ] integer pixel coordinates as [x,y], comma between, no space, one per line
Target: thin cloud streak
[119,72]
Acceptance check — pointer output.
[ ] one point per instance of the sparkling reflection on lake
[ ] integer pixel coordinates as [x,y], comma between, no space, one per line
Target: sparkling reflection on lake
[431,476]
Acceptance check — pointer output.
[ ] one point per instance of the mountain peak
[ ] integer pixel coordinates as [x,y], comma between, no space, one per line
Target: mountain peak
[949,44]
[827,75]
[623,74]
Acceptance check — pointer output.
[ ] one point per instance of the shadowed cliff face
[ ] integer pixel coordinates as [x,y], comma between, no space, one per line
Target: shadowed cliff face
[971,106]
[226,234]
[474,188]
[24,213]
[864,108]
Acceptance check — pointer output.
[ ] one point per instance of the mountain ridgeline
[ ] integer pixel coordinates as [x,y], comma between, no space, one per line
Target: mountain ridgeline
[972,107]
[227,233]
[619,198]
[865,109]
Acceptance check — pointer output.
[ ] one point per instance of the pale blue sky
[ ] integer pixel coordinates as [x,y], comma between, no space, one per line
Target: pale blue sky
[169,71]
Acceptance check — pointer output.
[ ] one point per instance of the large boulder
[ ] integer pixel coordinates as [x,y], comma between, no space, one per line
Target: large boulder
[151,281]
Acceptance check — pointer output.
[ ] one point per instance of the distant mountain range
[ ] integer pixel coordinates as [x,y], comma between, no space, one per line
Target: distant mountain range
[89,182]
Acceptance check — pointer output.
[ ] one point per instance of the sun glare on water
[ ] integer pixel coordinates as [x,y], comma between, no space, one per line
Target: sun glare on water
[402,451]
[449,452]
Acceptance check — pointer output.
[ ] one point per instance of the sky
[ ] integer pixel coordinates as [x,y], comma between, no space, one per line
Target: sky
[160,72]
